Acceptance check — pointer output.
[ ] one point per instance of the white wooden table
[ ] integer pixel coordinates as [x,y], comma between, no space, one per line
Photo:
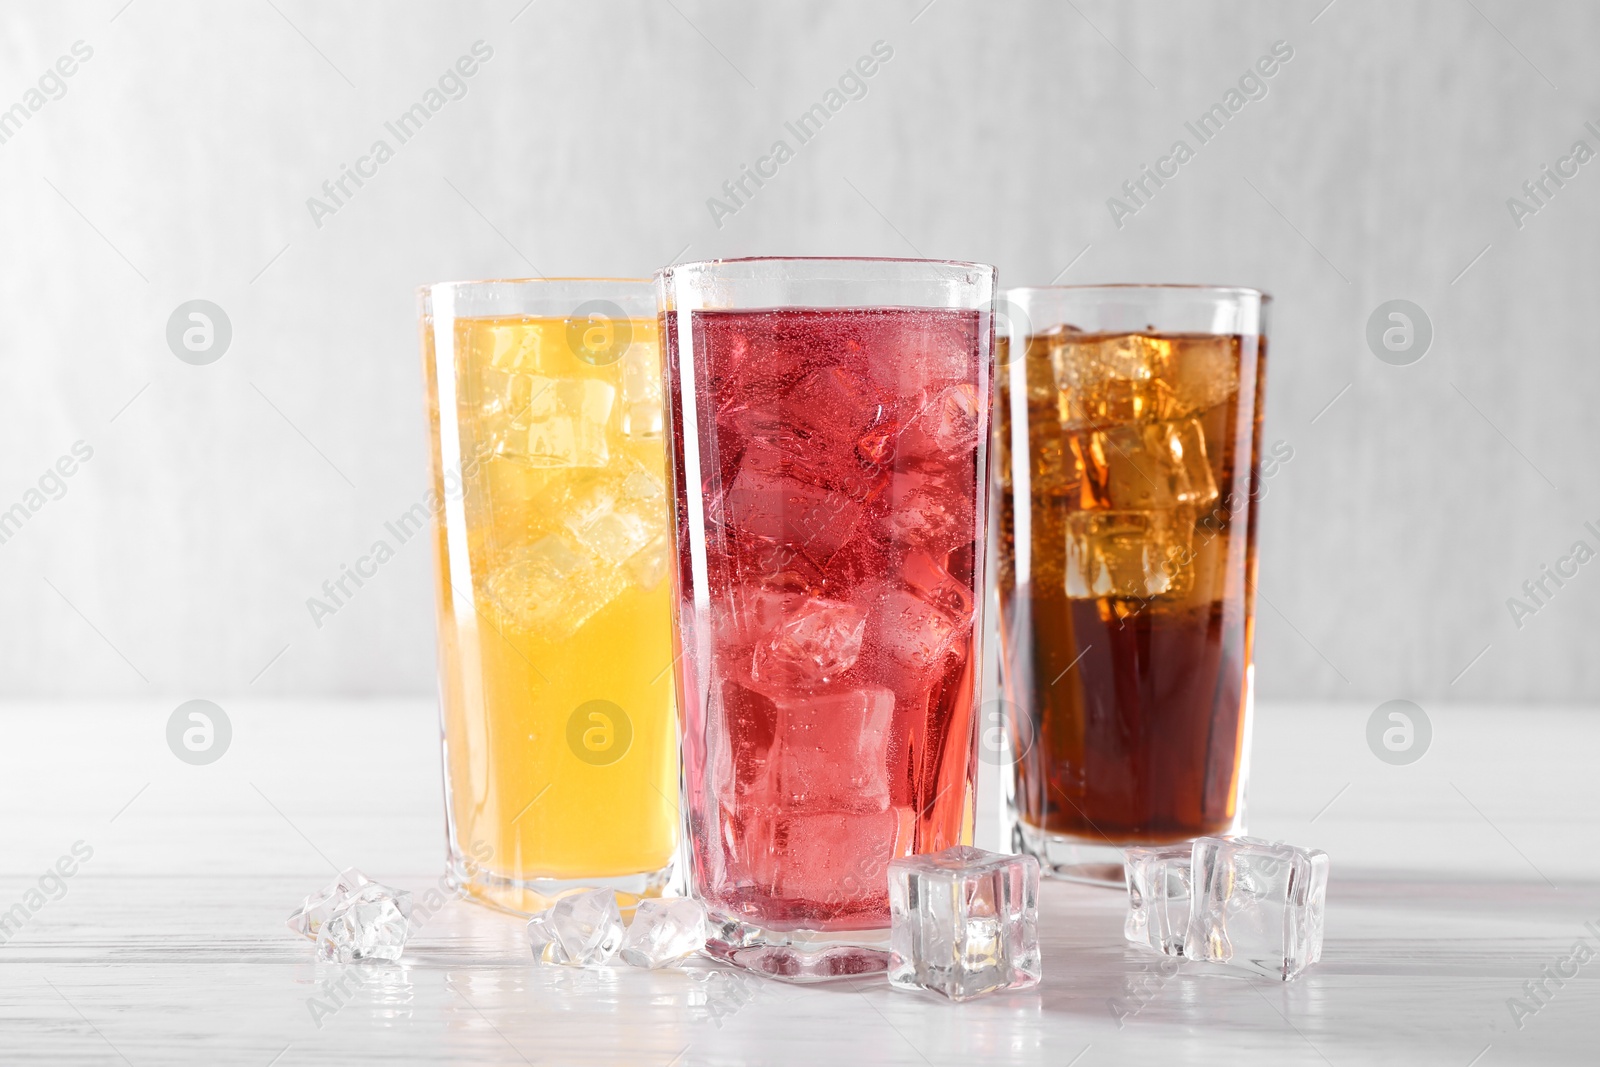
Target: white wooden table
[1455,881]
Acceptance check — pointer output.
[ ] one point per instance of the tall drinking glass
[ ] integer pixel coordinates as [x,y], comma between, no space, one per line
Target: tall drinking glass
[828,422]
[549,516]
[1129,434]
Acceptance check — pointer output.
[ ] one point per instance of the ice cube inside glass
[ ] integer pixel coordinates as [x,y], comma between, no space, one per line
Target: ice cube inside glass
[964,922]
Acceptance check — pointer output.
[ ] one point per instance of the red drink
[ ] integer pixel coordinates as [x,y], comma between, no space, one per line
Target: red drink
[830,654]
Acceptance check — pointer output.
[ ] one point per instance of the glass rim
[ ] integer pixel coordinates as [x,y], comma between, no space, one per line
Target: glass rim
[429,288]
[708,263]
[1122,287]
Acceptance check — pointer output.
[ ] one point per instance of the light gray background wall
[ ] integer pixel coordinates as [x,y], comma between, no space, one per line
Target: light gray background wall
[178,163]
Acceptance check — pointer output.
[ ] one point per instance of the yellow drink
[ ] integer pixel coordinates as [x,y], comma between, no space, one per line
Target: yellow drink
[555,641]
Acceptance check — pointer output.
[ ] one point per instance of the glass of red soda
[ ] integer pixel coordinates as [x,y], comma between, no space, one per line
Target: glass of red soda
[828,421]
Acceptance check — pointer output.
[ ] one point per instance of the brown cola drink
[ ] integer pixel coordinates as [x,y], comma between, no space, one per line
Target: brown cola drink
[1126,579]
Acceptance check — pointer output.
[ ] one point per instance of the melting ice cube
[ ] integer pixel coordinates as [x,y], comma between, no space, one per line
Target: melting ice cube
[964,923]
[1159,896]
[1258,905]
[581,929]
[663,931]
[355,918]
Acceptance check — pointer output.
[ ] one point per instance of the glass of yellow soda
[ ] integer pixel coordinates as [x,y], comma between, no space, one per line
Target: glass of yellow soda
[550,519]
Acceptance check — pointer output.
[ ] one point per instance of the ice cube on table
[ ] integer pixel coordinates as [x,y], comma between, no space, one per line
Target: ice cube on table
[318,907]
[817,643]
[1257,905]
[1159,896]
[542,939]
[548,422]
[370,923]
[355,918]
[964,923]
[552,587]
[582,929]
[663,931]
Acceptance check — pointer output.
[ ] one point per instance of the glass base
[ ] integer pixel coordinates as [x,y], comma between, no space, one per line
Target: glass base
[1071,859]
[800,956]
[529,896]
[1077,859]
